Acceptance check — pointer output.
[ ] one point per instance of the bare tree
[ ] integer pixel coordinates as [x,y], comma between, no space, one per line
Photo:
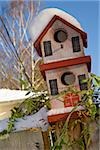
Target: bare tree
[15,44]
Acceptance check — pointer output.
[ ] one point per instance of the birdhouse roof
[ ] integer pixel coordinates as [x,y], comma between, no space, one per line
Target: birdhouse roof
[44,20]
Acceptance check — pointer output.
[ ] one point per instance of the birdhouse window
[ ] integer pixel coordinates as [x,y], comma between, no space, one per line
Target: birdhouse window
[47,48]
[76,44]
[82,82]
[53,87]
[68,78]
[60,35]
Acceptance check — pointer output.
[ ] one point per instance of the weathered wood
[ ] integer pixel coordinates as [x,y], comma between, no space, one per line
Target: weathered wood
[75,133]
[46,140]
[28,140]
[95,143]
[25,140]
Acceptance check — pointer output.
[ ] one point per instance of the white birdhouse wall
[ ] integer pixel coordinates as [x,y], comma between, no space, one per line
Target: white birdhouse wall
[60,50]
[75,71]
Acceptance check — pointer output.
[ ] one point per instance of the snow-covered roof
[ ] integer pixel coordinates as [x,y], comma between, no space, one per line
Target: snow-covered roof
[39,23]
[7,95]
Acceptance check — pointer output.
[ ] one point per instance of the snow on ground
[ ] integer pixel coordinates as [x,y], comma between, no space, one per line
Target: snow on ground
[37,120]
[9,99]
[42,19]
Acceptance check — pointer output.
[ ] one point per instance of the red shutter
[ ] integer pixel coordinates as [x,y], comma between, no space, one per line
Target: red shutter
[71,99]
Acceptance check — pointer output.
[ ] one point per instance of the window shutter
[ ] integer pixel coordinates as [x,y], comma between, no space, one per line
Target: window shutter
[47,48]
[76,44]
[83,85]
[53,87]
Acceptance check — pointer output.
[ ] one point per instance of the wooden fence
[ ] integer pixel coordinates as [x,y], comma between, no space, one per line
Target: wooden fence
[37,140]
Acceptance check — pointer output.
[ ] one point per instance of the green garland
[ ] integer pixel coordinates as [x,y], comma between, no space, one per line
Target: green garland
[28,107]
[90,113]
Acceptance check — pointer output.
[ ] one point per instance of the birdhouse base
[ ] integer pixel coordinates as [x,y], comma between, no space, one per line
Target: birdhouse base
[55,115]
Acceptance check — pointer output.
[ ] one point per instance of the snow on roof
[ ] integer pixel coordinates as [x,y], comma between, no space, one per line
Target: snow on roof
[7,95]
[39,23]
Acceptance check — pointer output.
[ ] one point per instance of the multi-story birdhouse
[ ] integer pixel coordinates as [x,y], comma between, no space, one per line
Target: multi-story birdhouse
[60,40]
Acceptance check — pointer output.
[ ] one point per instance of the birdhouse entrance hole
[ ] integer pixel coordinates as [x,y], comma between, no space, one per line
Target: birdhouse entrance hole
[60,35]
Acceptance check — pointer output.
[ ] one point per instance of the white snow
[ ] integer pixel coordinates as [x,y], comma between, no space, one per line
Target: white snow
[37,120]
[39,23]
[7,95]
[11,98]
[63,110]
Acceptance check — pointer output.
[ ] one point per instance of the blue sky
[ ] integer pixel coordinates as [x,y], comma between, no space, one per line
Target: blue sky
[87,13]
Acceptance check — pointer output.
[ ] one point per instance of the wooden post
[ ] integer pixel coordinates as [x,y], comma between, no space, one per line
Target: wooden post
[46,140]
[75,134]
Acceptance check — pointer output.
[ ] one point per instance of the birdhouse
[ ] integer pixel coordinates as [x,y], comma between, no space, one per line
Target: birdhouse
[60,40]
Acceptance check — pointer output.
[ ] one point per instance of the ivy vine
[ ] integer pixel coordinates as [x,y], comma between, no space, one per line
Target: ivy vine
[85,117]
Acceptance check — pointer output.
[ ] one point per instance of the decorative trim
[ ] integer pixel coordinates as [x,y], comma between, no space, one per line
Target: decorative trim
[60,117]
[66,63]
[37,42]
[62,114]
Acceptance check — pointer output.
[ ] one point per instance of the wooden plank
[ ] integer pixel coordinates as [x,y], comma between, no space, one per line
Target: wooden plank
[25,140]
[95,143]
[46,140]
